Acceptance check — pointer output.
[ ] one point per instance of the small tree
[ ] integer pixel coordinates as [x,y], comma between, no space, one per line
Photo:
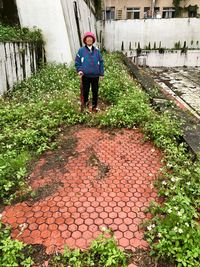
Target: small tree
[98,8]
[178,8]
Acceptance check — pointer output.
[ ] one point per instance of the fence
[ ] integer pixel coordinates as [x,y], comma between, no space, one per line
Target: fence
[18,60]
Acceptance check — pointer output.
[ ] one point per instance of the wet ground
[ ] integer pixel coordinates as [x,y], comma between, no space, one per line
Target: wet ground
[184,82]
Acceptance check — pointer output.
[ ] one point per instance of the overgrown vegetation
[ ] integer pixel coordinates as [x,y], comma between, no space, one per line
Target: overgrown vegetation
[177,7]
[98,8]
[34,113]
[17,34]
[102,252]
[11,251]
[30,120]
[174,231]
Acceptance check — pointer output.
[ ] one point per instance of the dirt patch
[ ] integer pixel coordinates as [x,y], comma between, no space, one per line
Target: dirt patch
[59,158]
[40,193]
[38,254]
[112,132]
[166,82]
[103,105]
[177,92]
[93,160]
[2,207]
[53,160]
[141,258]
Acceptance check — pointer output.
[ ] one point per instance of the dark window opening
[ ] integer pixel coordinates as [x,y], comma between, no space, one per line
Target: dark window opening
[157,12]
[192,11]
[8,12]
[147,12]
[110,13]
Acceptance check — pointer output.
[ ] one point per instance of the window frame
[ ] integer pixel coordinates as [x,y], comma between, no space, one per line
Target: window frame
[133,11]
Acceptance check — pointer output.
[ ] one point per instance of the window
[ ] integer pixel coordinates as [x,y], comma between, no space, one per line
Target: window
[133,13]
[157,12]
[168,12]
[110,13]
[119,14]
[192,11]
[147,12]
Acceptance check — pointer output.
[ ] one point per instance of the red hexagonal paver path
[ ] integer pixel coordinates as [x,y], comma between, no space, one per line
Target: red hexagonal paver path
[107,182]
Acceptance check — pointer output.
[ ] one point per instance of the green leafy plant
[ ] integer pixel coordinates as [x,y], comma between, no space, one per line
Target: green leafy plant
[173,232]
[11,251]
[17,34]
[103,252]
[178,8]
[177,45]
[177,234]
[31,117]
[98,8]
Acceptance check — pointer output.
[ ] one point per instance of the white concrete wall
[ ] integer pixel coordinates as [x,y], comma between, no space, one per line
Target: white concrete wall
[167,59]
[87,22]
[166,31]
[47,15]
[17,62]
[56,19]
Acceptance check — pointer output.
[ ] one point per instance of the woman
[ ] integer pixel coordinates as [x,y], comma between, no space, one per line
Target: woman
[89,65]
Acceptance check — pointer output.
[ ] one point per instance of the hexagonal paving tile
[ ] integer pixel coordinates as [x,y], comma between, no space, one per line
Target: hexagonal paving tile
[106,182]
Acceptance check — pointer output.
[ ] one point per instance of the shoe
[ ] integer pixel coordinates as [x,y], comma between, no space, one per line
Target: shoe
[85,107]
[95,110]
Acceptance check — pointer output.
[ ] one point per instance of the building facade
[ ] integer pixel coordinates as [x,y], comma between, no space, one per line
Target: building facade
[136,9]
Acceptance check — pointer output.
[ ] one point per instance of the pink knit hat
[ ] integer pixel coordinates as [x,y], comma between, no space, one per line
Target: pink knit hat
[89,34]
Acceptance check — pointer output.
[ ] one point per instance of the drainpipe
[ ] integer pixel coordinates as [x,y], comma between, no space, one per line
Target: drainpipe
[153,3]
[77,22]
[104,9]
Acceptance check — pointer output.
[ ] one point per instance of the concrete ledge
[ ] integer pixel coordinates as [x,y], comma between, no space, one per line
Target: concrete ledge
[166,57]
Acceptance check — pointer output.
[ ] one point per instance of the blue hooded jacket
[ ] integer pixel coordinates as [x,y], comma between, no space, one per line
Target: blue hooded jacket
[90,62]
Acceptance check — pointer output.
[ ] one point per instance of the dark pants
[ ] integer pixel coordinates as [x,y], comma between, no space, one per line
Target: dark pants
[94,82]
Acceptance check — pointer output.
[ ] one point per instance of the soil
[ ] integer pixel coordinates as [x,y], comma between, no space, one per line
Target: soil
[139,257]
[56,159]
[38,254]
[43,192]
[93,160]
